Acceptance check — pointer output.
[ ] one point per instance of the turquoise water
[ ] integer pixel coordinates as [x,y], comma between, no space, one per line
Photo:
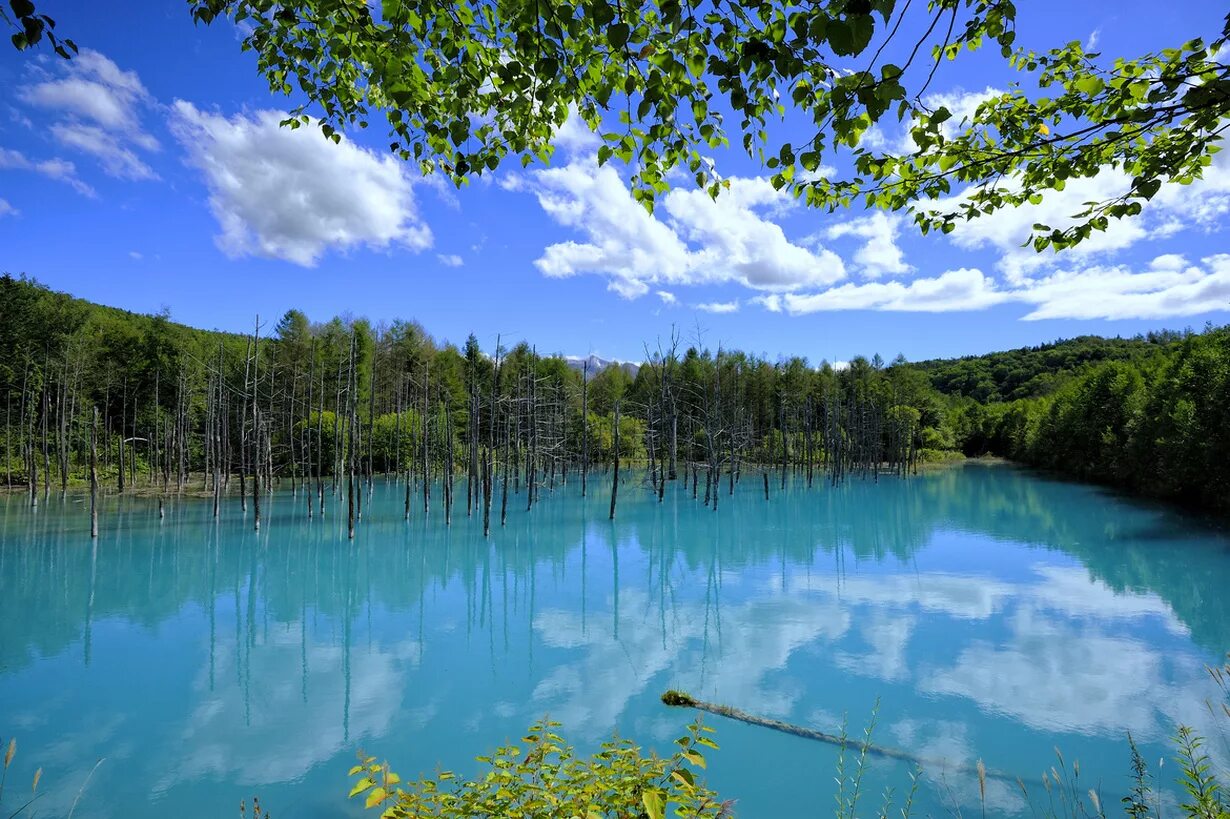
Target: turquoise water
[994,615]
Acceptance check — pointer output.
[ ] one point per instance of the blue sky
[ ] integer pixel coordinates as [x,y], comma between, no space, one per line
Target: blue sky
[150,174]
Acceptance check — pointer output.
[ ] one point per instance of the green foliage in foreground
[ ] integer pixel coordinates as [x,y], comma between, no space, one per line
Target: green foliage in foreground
[544,777]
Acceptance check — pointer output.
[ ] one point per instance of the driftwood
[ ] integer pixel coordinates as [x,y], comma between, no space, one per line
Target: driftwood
[683,700]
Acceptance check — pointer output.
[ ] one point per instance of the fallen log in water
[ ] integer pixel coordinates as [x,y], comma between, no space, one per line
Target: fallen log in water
[683,700]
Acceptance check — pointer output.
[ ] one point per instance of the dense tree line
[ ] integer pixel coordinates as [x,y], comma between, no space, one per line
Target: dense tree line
[1029,372]
[1158,423]
[133,401]
[157,406]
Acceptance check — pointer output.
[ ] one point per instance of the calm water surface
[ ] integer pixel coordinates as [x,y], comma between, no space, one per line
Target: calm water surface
[993,614]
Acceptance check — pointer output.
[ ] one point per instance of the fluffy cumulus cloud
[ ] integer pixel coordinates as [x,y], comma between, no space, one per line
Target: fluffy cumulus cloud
[1159,290]
[450,259]
[1097,279]
[690,240]
[98,107]
[878,255]
[290,194]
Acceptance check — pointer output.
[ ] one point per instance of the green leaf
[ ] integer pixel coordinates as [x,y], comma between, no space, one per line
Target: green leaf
[862,27]
[375,797]
[652,800]
[1147,187]
[841,37]
[1089,85]
[617,35]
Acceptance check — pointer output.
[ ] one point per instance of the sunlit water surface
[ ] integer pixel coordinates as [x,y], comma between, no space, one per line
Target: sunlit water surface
[993,615]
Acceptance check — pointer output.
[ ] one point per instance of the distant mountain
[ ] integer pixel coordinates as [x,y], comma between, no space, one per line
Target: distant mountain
[597,365]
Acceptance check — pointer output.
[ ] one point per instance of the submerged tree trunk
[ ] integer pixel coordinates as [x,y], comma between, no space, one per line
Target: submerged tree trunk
[350,432]
[584,426]
[94,475]
[256,435]
[615,482]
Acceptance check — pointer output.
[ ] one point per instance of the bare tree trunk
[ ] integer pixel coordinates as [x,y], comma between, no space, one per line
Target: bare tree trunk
[320,448]
[94,475]
[487,493]
[615,482]
[352,412]
[426,451]
[123,415]
[448,463]
[504,487]
[256,430]
[243,430]
[371,426]
[308,463]
[584,426]
[8,438]
[219,426]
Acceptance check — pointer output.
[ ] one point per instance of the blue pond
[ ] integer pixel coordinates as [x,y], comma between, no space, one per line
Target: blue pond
[992,614]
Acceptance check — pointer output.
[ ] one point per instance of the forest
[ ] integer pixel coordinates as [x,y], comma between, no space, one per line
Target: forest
[132,402]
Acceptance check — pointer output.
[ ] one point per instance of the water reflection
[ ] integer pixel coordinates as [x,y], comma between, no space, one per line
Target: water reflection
[995,613]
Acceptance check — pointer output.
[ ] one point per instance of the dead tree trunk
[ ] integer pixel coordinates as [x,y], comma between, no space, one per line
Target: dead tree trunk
[94,475]
[615,482]
[584,426]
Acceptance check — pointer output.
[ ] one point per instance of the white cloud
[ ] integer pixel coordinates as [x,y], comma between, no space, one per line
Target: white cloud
[626,243]
[879,255]
[290,194]
[6,209]
[1091,42]
[1119,293]
[1165,289]
[960,103]
[1043,677]
[205,738]
[667,297]
[59,169]
[1006,229]
[116,159]
[99,105]
[135,255]
[575,138]
[691,240]
[450,259]
[95,88]
[1203,205]
[771,302]
[963,289]
[731,232]
[762,633]
[719,306]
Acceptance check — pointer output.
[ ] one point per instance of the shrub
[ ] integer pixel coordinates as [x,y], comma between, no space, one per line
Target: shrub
[544,777]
